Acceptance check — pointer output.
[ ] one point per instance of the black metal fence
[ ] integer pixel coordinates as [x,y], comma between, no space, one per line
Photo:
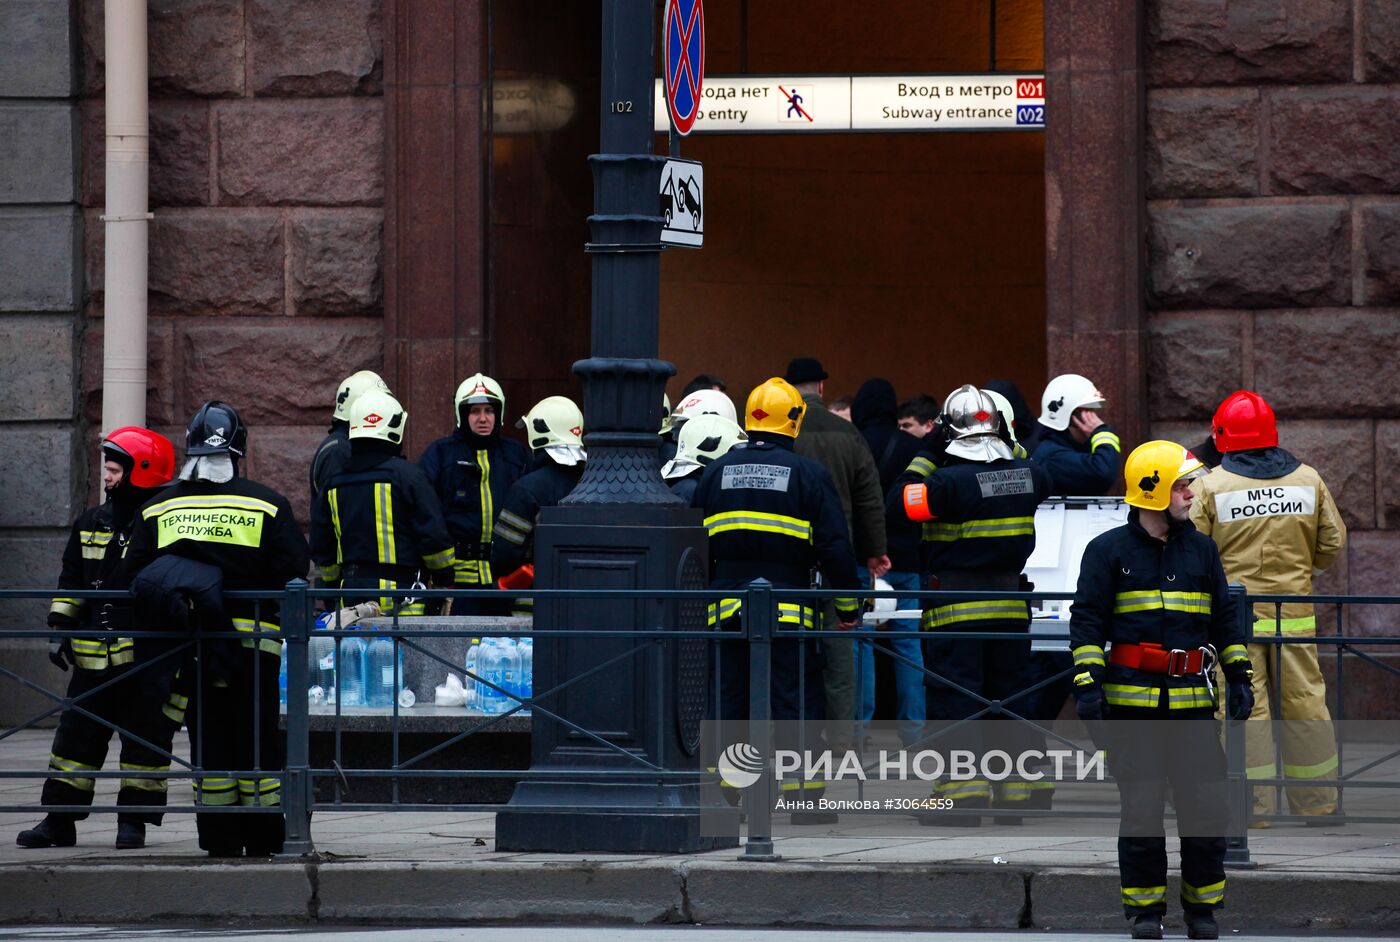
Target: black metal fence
[307,787]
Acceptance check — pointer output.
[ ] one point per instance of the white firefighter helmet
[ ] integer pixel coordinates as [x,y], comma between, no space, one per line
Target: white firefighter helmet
[974,425]
[378,415]
[665,415]
[554,420]
[353,387]
[1063,395]
[704,402]
[1007,413]
[707,437]
[480,388]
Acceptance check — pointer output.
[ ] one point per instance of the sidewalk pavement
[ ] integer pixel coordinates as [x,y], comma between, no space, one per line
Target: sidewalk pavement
[867,870]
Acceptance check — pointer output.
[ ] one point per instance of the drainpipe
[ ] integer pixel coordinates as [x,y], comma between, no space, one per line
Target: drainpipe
[126,218]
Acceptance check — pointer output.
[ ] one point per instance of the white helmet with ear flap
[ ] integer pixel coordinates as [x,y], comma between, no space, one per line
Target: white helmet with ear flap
[353,387]
[554,420]
[480,388]
[1063,395]
[378,415]
[707,437]
[704,402]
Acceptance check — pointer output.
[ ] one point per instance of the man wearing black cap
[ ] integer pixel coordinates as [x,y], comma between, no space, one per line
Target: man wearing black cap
[839,447]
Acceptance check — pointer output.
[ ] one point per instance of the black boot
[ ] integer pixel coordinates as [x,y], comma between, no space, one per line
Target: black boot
[1147,926]
[131,835]
[1201,925]
[53,831]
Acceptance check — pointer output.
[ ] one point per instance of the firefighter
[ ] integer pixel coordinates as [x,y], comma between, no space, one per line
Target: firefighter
[1079,450]
[214,516]
[773,514]
[378,524]
[554,430]
[136,463]
[1276,525]
[702,440]
[977,508]
[471,471]
[1154,594]
[334,449]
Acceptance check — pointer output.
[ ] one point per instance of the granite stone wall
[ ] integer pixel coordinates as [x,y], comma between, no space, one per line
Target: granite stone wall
[267,184]
[1273,184]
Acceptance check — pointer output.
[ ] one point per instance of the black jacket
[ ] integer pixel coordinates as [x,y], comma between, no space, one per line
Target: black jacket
[984,513]
[330,457]
[1086,470]
[1134,588]
[243,528]
[873,411]
[379,515]
[513,542]
[471,475]
[92,559]
[774,514]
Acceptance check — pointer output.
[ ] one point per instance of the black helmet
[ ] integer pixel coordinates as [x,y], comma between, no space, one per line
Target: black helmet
[216,429]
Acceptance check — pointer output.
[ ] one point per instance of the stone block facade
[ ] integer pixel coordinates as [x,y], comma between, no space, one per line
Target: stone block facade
[1274,243]
[41,265]
[267,185]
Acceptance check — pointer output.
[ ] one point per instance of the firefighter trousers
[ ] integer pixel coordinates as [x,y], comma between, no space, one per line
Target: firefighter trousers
[992,669]
[797,699]
[1288,686]
[234,735]
[1150,749]
[80,744]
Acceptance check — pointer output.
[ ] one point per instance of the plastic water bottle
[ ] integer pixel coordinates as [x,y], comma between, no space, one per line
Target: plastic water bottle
[282,678]
[490,699]
[472,663]
[352,672]
[380,682]
[509,673]
[321,649]
[527,670]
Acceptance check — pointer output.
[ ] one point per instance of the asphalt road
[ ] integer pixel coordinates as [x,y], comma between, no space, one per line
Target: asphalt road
[585,934]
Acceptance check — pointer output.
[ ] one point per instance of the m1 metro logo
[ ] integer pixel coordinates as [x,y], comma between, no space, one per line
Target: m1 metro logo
[1030,102]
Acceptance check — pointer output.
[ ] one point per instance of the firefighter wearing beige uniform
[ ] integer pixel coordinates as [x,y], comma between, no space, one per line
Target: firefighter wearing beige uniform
[1277,526]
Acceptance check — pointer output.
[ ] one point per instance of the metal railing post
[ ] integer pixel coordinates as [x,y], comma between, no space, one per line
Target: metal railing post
[760,615]
[296,783]
[1241,796]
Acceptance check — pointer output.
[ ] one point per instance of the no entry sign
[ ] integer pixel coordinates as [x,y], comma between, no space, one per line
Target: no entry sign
[684,30]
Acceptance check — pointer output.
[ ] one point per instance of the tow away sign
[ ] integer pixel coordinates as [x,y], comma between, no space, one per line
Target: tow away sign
[683,203]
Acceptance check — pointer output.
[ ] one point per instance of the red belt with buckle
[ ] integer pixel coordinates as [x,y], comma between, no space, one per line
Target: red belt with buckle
[1155,659]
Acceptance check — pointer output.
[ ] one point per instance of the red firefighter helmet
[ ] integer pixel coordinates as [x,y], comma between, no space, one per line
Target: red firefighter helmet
[1244,421]
[151,454]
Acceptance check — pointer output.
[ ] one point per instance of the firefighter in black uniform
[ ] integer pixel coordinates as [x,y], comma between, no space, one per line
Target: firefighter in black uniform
[554,429]
[378,524]
[471,471]
[136,463]
[773,514]
[334,449]
[977,507]
[246,530]
[1153,592]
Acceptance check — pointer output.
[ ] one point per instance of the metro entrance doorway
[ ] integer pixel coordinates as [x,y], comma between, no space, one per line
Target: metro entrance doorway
[919,257]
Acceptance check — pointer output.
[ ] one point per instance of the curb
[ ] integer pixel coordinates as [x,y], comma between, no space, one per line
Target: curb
[681,890]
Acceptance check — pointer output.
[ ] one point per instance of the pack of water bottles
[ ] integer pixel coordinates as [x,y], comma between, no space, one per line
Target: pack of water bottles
[503,667]
[365,667]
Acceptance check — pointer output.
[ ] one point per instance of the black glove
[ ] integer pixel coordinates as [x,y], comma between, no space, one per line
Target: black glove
[61,654]
[1089,705]
[1239,700]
